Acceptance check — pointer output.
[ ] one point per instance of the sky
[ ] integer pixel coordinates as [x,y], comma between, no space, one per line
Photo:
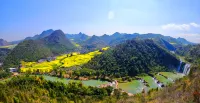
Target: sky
[176,18]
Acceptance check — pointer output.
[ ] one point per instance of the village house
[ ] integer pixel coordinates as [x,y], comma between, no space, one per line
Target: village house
[13,70]
[41,60]
[50,58]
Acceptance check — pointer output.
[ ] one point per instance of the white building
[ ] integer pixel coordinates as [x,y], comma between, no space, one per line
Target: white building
[13,70]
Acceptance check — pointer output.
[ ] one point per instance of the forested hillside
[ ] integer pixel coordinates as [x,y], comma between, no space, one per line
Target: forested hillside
[29,50]
[134,57]
[93,43]
[190,52]
[3,53]
[58,43]
[194,54]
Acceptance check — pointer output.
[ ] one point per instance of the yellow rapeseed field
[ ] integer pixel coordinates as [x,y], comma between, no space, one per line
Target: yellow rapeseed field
[63,61]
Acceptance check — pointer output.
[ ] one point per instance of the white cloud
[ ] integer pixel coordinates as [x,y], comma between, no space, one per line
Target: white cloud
[180,27]
[176,27]
[111,15]
[195,25]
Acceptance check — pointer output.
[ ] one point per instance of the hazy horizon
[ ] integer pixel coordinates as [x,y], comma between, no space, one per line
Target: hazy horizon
[24,18]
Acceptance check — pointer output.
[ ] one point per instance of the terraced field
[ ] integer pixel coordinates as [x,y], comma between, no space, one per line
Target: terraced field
[171,75]
[163,80]
[134,87]
[150,82]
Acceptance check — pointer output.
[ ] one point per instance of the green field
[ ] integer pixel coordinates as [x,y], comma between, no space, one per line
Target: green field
[150,81]
[66,81]
[171,75]
[9,46]
[162,79]
[134,87]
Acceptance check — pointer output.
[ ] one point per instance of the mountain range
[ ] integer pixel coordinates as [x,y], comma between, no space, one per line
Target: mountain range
[3,53]
[92,42]
[55,42]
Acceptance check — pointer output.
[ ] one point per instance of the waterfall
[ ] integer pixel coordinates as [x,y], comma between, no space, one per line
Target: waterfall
[179,67]
[186,69]
[158,83]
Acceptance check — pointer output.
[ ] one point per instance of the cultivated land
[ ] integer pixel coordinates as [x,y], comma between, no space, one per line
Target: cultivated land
[133,87]
[171,75]
[162,79]
[63,61]
[150,81]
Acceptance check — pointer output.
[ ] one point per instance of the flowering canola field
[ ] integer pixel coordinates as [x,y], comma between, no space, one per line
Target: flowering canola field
[63,61]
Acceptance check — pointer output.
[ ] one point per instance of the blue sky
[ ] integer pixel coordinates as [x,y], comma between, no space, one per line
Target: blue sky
[176,18]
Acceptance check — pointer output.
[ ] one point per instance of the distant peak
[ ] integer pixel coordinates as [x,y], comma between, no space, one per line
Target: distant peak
[105,35]
[94,36]
[49,30]
[180,38]
[57,33]
[116,33]
[80,33]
